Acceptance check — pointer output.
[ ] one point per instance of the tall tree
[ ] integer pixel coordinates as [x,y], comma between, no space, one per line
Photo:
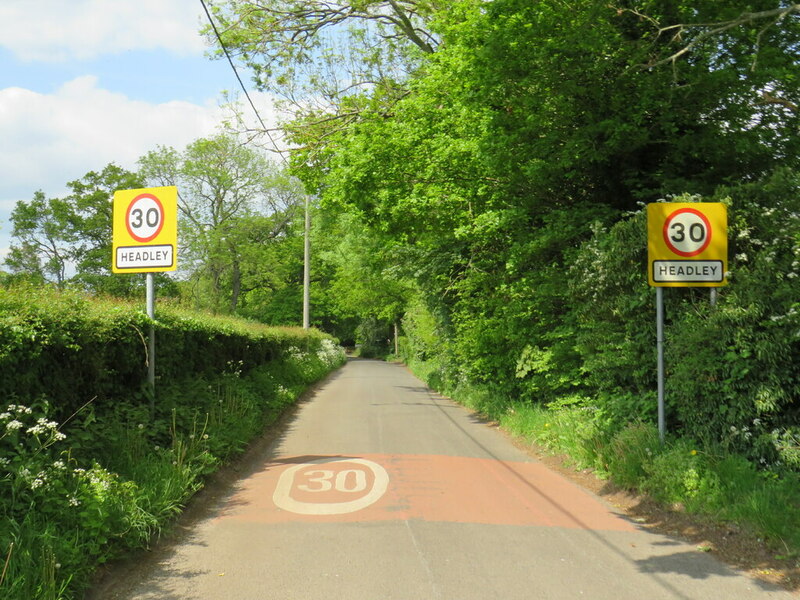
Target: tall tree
[91,199]
[44,233]
[59,236]
[230,198]
[534,120]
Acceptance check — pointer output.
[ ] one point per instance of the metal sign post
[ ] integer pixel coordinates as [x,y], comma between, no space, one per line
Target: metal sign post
[662,426]
[151,343]
[145,240]
[687,246]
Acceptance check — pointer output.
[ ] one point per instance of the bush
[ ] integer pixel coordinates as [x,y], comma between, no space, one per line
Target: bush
[629,455]
[732,377]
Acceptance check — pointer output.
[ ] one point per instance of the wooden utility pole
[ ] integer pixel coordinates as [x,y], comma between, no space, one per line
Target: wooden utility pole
[307,270]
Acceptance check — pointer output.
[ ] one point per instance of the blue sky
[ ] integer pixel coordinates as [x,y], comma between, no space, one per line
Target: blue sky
[87,82]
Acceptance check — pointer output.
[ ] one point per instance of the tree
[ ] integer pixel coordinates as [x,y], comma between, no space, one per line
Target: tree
[73,233]
[361,284]
[531,122]
[44,230]
[231,199]
[481,170]
[324,58]
[91,199]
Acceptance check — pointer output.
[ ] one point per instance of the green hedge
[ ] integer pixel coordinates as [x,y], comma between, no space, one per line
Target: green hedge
[71,348]
[91,464]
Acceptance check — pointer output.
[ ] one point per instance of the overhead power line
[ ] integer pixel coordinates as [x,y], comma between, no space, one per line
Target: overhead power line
[307,236]
[239,79]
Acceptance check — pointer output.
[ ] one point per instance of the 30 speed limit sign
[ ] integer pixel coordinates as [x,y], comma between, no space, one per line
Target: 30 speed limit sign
[144,218]
[687,244]
[145,232]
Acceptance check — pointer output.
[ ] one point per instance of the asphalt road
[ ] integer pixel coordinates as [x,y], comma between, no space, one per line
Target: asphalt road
[379,489]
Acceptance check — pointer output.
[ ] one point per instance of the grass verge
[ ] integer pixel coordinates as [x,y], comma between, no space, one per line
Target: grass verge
[681,474]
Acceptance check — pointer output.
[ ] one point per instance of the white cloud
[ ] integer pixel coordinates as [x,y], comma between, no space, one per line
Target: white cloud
[58,30]
[59,137]
[51,139]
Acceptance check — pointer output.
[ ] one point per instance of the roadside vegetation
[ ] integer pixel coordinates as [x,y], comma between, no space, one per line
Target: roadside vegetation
[732,450]
[92,463]
[482,174]
[478,174]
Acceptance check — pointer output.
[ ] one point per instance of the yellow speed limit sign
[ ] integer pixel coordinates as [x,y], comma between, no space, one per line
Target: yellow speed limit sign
[145,230]
[687,244]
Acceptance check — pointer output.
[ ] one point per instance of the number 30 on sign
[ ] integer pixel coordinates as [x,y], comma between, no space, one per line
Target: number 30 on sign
[687,244]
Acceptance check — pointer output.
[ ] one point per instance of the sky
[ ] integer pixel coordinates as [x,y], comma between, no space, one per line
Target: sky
[84,83]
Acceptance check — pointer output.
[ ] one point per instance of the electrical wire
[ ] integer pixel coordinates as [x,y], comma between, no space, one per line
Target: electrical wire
[307,249]
[241,83]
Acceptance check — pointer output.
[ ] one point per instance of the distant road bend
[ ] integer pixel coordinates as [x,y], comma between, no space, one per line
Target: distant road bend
[379,489]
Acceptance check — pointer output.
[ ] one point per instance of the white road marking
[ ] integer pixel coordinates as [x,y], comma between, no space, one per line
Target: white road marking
[350,480]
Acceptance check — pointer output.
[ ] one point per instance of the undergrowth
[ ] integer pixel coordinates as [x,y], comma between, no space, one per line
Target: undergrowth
[703,479]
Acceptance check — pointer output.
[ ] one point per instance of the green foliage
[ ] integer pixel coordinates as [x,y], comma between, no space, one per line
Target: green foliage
[53,235]
[96,348]
[234,206]
[614,324]
[79,484]
[732,376]
[373,338]
[746,393]
[629,454]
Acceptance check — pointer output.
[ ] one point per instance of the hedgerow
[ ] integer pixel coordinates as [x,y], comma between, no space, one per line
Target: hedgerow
[91,461]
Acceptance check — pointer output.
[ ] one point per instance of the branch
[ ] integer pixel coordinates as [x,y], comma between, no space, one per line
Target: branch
[408,28]
[768,98]
[711,29]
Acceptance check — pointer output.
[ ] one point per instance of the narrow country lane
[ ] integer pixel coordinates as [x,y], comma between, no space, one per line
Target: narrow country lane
[379,489]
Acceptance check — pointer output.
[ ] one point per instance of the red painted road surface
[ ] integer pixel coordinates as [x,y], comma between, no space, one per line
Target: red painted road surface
[379,489]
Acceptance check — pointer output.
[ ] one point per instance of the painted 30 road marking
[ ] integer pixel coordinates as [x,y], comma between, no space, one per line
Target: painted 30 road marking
[331,486]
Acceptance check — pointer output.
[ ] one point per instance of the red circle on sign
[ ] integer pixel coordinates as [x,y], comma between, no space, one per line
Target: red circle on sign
[668,240]
[142,219]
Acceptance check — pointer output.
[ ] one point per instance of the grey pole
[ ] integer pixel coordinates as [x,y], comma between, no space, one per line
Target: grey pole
[151,345]
[660,346]
[307,270]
